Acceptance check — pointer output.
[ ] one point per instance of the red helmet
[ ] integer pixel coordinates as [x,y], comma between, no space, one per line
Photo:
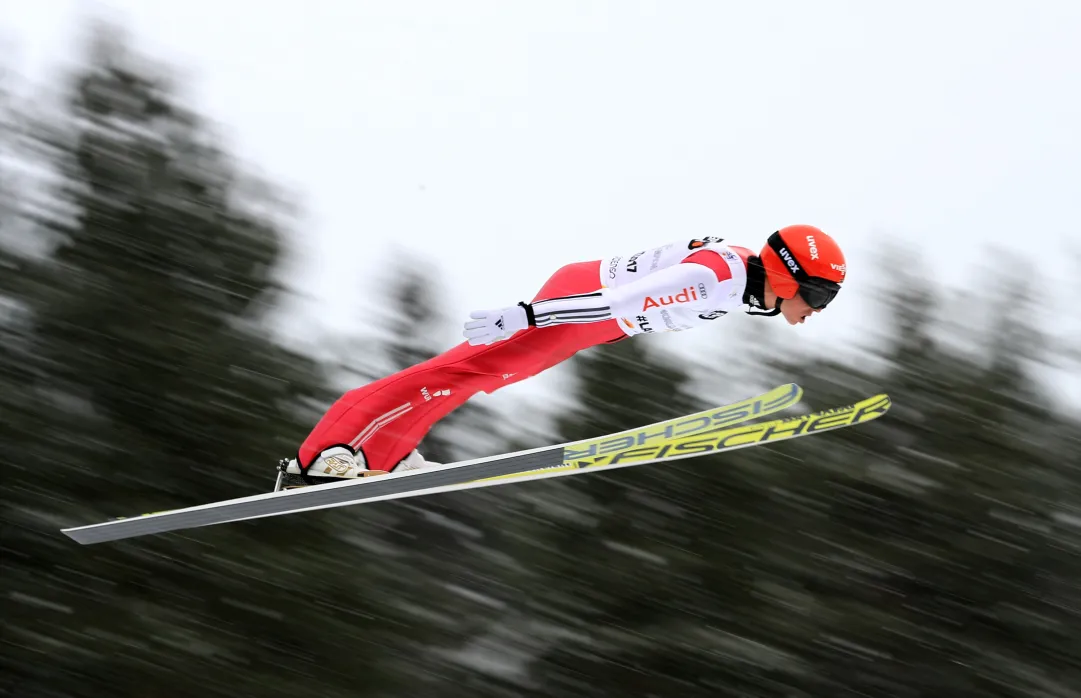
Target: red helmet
[803,259]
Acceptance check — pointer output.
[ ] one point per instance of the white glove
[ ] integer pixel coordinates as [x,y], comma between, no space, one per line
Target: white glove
[490,326]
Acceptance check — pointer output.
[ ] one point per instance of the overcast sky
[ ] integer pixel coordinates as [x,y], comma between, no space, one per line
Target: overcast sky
[503,139]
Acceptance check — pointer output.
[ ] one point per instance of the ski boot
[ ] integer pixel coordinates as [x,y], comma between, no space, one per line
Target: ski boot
[415,461]
[333,465]
[337,464]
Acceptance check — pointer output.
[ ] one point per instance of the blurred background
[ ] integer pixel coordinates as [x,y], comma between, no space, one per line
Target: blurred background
[216,217]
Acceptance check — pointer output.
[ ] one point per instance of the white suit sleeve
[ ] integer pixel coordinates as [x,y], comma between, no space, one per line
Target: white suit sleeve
[628,299]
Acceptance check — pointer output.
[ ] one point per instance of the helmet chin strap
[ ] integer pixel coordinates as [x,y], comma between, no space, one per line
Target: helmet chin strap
[769,313]
[755,293]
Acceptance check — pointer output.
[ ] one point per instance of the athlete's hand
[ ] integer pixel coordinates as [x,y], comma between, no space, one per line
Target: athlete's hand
[488,326]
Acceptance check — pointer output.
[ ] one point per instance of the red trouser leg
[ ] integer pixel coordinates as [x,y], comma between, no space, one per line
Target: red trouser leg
[386,419]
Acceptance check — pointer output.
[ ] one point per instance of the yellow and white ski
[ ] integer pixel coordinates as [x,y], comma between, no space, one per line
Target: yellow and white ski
[707,432]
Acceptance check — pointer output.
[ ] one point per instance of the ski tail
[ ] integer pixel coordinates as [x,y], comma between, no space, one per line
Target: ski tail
[340,494]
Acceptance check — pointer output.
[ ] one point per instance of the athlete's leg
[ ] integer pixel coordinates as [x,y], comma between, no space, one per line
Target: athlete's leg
[386,419]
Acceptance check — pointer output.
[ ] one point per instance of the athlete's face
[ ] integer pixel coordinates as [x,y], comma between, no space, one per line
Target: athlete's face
[795,310]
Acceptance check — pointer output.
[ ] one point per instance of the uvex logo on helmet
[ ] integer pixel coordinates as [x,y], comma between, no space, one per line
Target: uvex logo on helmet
[790,260]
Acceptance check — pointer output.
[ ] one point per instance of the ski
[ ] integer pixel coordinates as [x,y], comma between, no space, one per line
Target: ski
[712,442]
[528,461]
[702,433]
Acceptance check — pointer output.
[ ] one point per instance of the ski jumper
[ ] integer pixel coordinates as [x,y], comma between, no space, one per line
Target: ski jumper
[670,288]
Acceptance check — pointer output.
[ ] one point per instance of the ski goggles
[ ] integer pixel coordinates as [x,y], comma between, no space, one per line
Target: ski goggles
[816,291]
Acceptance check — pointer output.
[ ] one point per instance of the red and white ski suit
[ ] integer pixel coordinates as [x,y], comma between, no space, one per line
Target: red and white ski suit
[669,288]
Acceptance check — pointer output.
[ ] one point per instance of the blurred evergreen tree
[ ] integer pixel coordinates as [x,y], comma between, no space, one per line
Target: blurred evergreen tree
[139,374]
[926,568]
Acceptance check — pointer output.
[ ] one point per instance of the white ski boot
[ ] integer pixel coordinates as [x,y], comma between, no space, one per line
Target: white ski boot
[339,463]
[332,465]
[415,461]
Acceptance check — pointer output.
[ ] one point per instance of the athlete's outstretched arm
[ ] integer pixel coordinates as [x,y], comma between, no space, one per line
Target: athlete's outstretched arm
[488,326]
